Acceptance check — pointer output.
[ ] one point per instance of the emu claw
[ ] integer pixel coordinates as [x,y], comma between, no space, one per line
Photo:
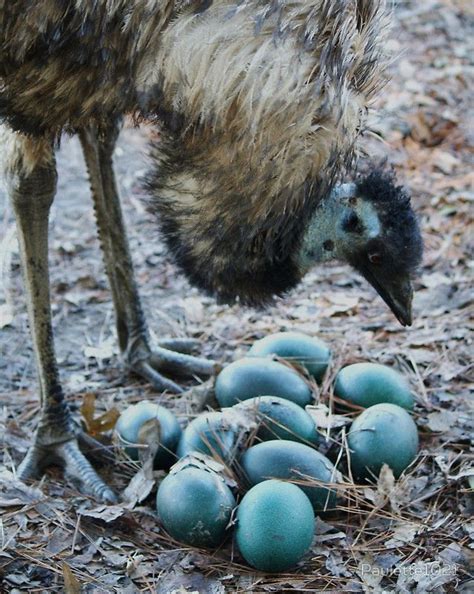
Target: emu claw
[75,464]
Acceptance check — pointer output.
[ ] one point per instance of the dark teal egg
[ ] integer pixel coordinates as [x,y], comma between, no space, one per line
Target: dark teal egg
[195,506]
[366,384]
[282,459]
[306,350]
[133,419]
[278,418]
[382,434]
[275,526]
[254,376]
[209,434]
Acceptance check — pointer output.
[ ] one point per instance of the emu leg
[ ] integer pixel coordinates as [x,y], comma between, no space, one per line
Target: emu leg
[98,147]
[32,193]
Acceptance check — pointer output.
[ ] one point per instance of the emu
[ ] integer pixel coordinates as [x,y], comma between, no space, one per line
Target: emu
[260,104]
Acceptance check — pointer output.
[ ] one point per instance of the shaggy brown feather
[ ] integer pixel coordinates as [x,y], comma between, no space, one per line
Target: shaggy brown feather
[64,64]
[272,97]
[262,104]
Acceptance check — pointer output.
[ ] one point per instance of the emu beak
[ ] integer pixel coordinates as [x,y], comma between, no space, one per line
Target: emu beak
[397,294]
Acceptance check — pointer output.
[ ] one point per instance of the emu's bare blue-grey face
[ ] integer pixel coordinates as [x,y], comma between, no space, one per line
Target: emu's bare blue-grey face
[370,225]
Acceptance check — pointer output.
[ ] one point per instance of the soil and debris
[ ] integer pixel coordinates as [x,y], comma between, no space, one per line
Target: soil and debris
[413,535]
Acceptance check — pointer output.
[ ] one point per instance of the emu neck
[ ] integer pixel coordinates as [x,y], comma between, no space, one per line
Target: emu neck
[323,240]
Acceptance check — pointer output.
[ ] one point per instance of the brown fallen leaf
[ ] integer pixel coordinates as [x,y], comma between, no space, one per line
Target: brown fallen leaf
[149,435]
[338,303]
[403,532]
[444,161]
[144,480]
[140,485]
[101,424]
[71,583]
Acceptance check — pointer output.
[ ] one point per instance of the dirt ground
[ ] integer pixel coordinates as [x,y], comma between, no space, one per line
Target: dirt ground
[415,534]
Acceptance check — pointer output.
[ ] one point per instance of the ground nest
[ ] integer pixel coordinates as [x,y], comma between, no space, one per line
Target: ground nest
[410,535]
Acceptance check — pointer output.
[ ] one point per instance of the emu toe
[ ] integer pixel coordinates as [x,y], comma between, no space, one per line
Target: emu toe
[76,467]
[151,364]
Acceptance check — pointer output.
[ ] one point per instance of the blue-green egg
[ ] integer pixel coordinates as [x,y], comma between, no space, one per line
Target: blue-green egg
[278,418]
[308,351]
[209,434]
[366,384]
[382,434]
[195,506]
[256,376]
[275,526]
[289,460]
[133,420]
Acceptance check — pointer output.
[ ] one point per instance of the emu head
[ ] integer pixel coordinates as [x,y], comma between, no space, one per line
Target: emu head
[261,105]
[371,225]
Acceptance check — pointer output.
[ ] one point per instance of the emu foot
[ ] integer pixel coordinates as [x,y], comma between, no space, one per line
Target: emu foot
[75,464]
[170,358]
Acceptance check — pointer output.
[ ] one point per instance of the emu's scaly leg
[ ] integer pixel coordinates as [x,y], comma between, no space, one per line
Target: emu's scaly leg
[31,174]
[98,147]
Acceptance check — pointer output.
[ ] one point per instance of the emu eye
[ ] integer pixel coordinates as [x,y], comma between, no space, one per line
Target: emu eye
[375,258]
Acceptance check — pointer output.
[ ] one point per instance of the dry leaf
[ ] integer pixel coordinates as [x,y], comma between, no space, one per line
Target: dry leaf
[325,419]
[149,435]
[14,492]
[106,513]
[442,420]
[144,480]
[387,488]
[338,303]
[101,424]
[204,462]
[194,309]
[445,161]
[368,573]
[402,534]
[71,583]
